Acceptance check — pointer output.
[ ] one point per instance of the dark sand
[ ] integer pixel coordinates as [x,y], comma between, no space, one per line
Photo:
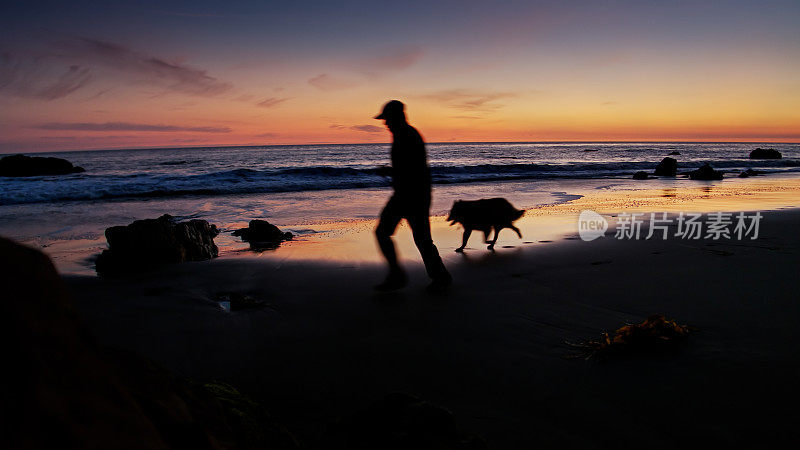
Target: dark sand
[492,350]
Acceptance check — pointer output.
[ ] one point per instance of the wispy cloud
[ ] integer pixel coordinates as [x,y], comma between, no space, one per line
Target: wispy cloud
[327,82]
[468,100]
[126,126]
[379,64]
[75,62]
[33,79]
[270,102]
[147,69]
[391,59]
[367,128]
[364,128]
[70,81]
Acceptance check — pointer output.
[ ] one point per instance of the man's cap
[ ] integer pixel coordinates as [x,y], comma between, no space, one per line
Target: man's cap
[392,109]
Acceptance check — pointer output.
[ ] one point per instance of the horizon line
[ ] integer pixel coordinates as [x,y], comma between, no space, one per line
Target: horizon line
[389,143]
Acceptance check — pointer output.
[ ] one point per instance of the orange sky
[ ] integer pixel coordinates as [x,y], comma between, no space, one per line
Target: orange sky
[540,73]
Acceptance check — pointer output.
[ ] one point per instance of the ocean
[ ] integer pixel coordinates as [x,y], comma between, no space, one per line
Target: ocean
[294,185]
[221,171]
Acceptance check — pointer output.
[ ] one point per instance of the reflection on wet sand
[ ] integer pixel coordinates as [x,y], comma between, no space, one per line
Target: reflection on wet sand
[353,241]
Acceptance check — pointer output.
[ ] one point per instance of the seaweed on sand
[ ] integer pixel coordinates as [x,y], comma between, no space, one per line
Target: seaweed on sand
[655,334]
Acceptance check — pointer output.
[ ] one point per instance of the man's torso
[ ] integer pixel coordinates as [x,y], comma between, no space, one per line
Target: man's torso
[410,173]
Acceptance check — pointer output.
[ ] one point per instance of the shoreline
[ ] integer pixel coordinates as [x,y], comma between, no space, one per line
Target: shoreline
[351,240]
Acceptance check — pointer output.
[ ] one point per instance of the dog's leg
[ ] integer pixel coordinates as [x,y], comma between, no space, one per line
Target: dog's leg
[467,232]
[516,230]
[494,241]
[487,232]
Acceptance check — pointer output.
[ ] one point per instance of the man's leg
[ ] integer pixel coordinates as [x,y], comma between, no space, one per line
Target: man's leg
[389,219]
[421,230]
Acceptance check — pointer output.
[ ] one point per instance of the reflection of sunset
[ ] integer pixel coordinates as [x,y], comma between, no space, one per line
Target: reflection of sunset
[353,242]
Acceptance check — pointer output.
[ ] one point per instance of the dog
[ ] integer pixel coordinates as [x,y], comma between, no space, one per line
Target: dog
[484,215]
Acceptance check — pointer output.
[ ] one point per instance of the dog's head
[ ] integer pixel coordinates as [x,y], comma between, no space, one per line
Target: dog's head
[456,213]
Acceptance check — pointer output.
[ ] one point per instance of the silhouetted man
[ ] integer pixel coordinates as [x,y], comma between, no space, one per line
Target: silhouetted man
[411,180]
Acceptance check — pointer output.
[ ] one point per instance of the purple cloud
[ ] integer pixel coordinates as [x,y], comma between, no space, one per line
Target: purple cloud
[53,75]
[390,60]
[126,126]
[270,102]
[367,128]
[467,100]
[32,79]
[385,62]
[396,58]
[147,69]
[326,82]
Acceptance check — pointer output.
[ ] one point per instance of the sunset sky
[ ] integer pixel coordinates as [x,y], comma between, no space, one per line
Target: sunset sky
[91,75]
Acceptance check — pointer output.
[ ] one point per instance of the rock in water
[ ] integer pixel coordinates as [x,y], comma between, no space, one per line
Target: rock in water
[750,173]
[765,153]
[149,242]
[668,167]
[705,172]
[262,234]
[675,153]
[641,175]
[29,166]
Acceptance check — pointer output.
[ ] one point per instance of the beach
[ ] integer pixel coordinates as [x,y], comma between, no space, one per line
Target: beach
[494,349]
[360,225]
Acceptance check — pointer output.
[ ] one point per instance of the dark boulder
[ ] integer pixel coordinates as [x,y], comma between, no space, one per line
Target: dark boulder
[641,175]
[765,153]
[262,235]
[28,166]
[64,390]
[705,172]
[675,153]
[668,167]
[149,242]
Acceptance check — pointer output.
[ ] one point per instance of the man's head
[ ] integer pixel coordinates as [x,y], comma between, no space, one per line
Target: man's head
[393,113]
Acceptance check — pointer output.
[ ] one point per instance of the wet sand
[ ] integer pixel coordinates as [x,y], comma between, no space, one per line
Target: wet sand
[492,350]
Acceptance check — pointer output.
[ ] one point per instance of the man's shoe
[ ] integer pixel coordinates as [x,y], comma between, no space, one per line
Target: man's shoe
[440,285]
[393,282]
